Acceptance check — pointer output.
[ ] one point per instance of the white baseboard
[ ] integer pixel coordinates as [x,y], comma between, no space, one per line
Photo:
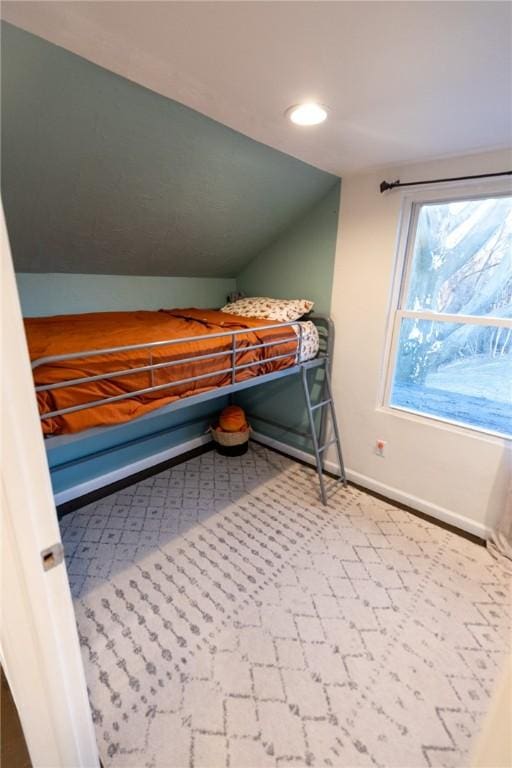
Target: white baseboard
[427,507]
[421,505]
[129,469]
[295,453]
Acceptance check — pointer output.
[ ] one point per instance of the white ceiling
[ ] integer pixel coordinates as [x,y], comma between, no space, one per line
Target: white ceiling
[405,81]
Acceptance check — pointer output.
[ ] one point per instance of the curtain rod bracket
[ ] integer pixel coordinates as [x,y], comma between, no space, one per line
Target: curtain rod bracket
[385,185]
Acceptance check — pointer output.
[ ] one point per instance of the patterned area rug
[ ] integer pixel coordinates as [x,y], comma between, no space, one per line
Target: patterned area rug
[226,618]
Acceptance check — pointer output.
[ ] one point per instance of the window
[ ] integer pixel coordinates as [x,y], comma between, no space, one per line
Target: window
[451,350]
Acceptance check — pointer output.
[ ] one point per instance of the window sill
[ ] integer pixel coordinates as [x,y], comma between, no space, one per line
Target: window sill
[464,430]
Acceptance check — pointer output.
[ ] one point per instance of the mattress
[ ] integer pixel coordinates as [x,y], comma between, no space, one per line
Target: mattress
[64,334]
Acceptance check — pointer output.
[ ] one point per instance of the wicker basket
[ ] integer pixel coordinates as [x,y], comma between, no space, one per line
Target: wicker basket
[229,439]
[231,443]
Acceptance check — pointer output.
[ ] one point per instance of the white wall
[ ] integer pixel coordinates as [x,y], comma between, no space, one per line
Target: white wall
[454,474]
[58,293]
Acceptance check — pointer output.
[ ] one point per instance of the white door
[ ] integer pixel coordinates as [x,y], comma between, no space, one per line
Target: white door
[39,645]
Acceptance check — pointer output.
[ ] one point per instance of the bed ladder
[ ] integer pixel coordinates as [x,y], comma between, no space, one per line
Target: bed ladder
[319,446]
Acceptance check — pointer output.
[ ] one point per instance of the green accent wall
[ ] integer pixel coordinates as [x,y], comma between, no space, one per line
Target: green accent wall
[61,294]
[103,176]
[299,264]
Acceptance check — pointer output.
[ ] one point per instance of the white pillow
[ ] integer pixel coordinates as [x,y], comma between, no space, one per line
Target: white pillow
[280,310]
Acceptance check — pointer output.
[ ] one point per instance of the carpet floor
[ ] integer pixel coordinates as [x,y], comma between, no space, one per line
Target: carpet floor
[227,619]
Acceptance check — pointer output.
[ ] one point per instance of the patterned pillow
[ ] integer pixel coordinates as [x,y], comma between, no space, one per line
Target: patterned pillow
[280,310]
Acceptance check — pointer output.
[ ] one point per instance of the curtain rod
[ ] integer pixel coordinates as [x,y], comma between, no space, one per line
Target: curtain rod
[385,185]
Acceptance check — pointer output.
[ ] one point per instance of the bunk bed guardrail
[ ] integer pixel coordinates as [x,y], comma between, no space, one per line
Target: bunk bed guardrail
[232,352]
[323,358]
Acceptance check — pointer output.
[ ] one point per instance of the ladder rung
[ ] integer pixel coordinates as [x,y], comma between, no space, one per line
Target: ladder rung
[331,442]
[320,405]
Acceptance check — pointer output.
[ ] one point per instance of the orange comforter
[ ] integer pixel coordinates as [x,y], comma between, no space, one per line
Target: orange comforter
[74,333]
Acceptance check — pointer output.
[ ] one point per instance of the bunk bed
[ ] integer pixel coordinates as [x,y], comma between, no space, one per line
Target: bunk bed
[176,358]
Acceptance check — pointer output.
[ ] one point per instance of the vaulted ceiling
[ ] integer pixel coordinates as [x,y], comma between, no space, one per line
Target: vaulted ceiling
[103,176]
[404,81]
[150,137]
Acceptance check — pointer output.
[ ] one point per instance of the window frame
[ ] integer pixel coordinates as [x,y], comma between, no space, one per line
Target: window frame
[410,207]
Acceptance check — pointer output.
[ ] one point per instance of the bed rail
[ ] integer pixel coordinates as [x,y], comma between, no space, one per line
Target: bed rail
[324,324]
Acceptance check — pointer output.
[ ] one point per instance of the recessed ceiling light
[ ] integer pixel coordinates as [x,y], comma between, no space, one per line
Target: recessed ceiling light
[309,113]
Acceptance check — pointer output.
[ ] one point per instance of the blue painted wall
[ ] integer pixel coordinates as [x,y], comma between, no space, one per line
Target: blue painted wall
[299,264]
[103,176]
[58,293]
[93,456]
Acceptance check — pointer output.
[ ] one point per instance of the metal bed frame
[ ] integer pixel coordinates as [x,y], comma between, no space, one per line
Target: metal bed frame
[323,359]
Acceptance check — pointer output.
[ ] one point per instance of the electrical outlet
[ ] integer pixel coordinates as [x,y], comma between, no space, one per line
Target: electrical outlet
[380,447]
